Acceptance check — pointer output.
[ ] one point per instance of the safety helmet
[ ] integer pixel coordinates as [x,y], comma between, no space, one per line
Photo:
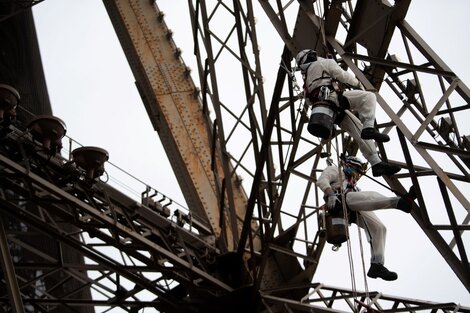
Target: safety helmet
[354,167]
[306,56]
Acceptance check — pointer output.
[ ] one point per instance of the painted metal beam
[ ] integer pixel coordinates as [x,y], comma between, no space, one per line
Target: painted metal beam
[177,114]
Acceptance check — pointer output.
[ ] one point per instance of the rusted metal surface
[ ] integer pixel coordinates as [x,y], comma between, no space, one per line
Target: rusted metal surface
[177,114]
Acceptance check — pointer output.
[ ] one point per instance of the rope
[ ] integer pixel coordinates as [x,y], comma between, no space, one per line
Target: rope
[350,256]
[345,216]
[298,92]
[361,246]
[366,286]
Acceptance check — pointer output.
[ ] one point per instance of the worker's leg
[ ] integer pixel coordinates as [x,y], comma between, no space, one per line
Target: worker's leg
[376,234]
[364,103]
[353,126]
[369,201]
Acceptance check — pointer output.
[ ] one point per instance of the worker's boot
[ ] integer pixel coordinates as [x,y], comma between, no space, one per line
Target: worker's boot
[406,201]
[383,168]
[377,270]
[372,133]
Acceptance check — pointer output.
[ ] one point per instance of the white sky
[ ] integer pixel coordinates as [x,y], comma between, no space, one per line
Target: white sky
[92,89]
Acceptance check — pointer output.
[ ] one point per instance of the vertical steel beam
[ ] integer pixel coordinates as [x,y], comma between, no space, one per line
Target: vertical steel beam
[9,273]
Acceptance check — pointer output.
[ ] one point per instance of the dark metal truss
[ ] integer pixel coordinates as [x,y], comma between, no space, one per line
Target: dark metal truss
[133,255]
[324,299]
[272,148]
[128,248]
[9,8]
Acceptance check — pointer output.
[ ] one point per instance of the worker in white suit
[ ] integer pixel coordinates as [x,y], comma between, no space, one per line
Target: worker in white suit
[361,205]
[320,72]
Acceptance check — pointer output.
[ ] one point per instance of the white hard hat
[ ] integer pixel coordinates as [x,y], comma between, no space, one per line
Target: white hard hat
[306,56]
[355,163]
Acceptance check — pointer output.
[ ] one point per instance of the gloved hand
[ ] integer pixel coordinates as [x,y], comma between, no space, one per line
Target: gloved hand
[331,199]
[360,86]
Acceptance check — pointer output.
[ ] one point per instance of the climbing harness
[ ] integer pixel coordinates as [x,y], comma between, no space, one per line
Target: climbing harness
[323,115]
[325,111]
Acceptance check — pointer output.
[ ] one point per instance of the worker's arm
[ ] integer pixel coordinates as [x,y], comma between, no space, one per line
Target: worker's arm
[343,76]
[328,190]
[327,177]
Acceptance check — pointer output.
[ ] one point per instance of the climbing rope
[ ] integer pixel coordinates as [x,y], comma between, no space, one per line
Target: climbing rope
[298,93]
[366,286]
[349,246]
[345,216]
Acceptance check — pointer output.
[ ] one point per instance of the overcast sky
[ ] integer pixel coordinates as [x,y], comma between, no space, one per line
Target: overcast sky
[92,89]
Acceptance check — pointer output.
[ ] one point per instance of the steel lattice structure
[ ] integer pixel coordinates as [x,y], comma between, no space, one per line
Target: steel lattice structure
[8,8]
[240,245]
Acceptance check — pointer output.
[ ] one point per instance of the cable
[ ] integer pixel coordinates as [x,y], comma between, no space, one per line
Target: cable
[345,216]
[299,94]
[366,286]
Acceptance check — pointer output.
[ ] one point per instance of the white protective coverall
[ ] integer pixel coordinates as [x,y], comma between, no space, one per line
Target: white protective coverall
[362,102]
[364,203]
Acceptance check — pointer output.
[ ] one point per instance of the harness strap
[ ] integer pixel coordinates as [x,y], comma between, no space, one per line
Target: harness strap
[340,106]
[338,209]
[313,95]
[324,75]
